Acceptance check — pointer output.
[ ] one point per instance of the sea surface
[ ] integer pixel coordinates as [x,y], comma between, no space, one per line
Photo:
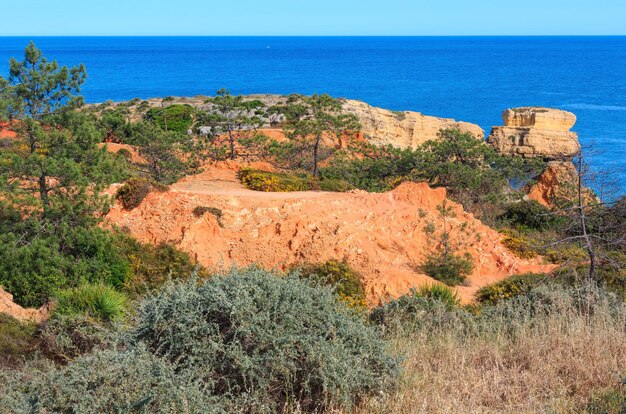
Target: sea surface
[467,78]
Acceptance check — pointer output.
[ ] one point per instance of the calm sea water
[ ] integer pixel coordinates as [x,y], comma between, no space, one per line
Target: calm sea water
[467,78]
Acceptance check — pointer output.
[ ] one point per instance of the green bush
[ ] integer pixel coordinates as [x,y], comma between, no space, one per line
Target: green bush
[17,341]
[266,342]
[200,211]
[65,337]
[274,182]
[425,308]
[151,266]
[345,281]
[335,185]
[133,191]
[509,288]
[179,117]
[98,301]
[451,269]
[530,214]
[33,269]
[131,381]
[520,246]
[439,293]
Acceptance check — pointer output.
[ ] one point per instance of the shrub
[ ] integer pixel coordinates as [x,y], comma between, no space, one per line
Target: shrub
[529,214]
[273,182]
[509,288]
[200,211]
[17,340]
[131,381]
[519,246]
[133,191]
[426,308]
[95,300]
[335,185]
[65,337]
[451,269]
[151,266]
[345,281]
[265,341]
[179,118]
[439,293]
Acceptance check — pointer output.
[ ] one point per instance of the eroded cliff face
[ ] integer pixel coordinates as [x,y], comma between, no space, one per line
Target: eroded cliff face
[381,235]
[536,132]
[558,184]
[403,129]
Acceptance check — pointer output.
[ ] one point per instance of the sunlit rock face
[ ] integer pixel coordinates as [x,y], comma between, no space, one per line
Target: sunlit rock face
[536,132]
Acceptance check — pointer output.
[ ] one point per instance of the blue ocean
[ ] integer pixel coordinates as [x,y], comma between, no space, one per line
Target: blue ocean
[467,78]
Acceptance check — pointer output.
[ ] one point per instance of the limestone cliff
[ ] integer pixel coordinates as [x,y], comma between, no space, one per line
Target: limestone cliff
[403,129]
[536,132]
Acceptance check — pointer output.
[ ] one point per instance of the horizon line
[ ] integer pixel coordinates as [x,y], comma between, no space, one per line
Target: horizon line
[320,35]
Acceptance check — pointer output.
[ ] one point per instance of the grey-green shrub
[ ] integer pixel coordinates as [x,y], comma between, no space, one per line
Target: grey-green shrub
[133,381]
[268,342]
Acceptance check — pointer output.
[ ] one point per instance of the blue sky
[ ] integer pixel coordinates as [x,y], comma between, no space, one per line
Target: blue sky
[313,17]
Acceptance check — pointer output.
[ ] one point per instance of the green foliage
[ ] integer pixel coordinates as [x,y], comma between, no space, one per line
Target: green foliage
[169,155]
[315,118]
[131,381]
[126,154]
[448,268]
[266,342]
[373,169]
[200,211]
[33,268]
[273,182]
[335,185]
[133,191]
[234,122]
[529,214]
[509,288]
[519,245]
[95,300]
[610,401]
[345,281]
[177,118]
[17,340]
[439,293]
[151,266]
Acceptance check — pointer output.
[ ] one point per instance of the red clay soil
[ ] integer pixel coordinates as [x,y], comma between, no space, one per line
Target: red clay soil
[380,235]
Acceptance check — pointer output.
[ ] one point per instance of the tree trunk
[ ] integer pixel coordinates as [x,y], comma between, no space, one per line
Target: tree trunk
[43,194]
[231,139]
[316,149]
[583,223]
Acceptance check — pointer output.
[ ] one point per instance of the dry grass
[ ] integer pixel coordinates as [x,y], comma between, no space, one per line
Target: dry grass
[555,362]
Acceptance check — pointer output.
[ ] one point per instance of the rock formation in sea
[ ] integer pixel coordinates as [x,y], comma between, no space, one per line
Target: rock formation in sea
[536,132]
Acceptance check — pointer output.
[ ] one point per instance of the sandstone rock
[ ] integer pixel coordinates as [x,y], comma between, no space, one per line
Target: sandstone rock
[403,129]
[536,132]
[16,311]
[558,182]
[381,235]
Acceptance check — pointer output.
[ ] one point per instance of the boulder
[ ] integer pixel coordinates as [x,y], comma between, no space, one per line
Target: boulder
[558,184]
[536,132]
[403,129]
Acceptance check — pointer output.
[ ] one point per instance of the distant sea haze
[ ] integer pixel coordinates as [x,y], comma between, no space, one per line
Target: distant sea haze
[471,79]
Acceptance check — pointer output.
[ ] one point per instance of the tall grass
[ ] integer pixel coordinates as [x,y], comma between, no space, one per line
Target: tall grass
[96,300]
[548,351]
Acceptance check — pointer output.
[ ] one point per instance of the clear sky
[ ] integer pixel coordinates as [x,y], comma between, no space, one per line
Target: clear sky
[313,17]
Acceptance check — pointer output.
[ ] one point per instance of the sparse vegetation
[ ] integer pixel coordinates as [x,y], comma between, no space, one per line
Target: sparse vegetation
[133,191]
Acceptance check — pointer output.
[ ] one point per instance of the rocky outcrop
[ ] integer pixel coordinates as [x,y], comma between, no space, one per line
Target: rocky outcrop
[381,235]
[536,132]
[558,184]
[403,129]
[11,308]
